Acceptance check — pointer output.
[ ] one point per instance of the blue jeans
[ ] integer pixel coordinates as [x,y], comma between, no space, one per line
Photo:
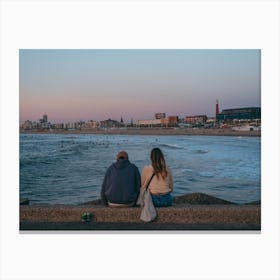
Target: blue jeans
[162,200]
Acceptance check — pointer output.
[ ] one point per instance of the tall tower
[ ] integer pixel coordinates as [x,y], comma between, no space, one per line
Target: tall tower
[217,107]
[45,118]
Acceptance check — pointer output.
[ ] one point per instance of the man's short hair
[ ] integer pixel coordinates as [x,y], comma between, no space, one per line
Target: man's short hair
[122,155]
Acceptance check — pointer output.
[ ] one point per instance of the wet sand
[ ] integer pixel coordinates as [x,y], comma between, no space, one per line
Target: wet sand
[189,212]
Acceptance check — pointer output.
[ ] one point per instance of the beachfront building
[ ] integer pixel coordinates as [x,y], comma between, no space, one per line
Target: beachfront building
[43,123]
[110,124]
[210,122]
[170,121]
[91,124]
[147,123]
[36,125]
[27,125]
[196,120]
[239,114]
[45,118]
[58,126]
[160,115]
[70,125]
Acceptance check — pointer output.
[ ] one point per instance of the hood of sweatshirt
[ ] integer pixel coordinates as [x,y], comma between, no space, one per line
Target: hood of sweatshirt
[121,163]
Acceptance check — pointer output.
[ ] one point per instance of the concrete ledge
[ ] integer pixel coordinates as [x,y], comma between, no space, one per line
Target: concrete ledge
[101,226]
[195,211]
[177,217]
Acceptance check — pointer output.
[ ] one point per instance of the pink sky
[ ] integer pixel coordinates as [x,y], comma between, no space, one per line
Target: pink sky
[70,85]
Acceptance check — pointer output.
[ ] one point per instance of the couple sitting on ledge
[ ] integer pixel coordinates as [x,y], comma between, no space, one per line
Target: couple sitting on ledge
[122,181]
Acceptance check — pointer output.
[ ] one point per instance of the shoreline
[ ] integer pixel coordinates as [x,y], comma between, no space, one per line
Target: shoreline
[152,131]
[194,211]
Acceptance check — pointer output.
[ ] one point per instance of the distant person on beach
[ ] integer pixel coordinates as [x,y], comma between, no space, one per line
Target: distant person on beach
[161,185]
[121,184]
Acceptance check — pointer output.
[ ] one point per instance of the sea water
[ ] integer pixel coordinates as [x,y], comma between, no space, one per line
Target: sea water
[69,168]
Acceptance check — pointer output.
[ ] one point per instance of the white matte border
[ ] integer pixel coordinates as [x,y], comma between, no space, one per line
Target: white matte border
[139,24]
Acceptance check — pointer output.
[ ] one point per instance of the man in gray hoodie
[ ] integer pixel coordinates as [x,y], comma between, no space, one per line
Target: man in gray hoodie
[121,184]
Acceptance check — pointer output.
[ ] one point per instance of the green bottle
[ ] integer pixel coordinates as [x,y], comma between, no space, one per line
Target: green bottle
[86,217]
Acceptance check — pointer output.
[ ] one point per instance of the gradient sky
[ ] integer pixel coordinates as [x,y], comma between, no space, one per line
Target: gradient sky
[73,85]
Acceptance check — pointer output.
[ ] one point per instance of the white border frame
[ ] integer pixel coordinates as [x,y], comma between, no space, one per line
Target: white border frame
[139,24]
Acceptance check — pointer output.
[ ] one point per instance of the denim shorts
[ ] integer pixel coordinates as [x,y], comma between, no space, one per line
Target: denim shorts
[162,200]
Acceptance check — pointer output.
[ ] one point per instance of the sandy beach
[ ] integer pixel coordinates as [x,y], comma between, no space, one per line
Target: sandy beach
[189,212]
[153,131]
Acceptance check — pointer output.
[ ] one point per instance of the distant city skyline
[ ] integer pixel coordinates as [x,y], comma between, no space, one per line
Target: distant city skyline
[71,85]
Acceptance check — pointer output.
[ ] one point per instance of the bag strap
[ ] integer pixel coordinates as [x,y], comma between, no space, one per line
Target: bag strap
[150,180]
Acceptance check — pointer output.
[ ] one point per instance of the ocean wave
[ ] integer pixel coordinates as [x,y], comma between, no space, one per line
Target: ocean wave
[187,170]
[225,187]
[192,179]
[206,174]
[66,169]
[171,146]
[199,151]
[32,162]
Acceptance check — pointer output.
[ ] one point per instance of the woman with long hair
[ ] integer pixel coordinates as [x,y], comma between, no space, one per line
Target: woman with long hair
[161,184]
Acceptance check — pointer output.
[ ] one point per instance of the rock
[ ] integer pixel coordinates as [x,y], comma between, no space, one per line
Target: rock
[24,201]
[93,202]
[199,198]
[257,202]
[192,198]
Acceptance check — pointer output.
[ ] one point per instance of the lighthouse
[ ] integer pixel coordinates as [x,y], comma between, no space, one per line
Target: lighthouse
[217,107]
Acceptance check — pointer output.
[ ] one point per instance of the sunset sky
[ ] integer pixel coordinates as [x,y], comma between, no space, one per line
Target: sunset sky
[70,85]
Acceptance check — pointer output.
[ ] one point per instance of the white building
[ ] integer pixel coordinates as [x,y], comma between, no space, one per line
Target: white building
[150,122]
[91,124]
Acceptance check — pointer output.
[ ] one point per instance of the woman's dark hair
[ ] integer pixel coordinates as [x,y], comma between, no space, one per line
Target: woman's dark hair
[158,163]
